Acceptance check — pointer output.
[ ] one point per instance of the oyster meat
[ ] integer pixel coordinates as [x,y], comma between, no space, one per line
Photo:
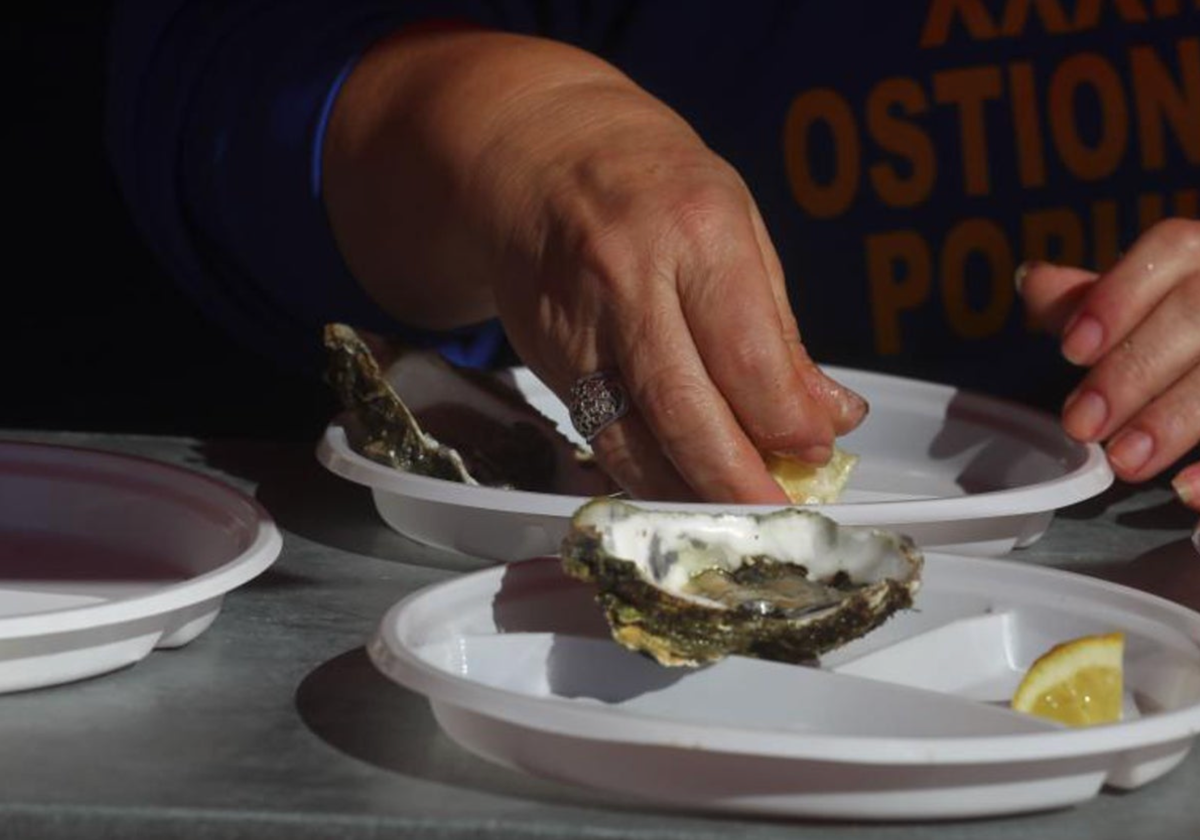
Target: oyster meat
[413,410]
[692,588]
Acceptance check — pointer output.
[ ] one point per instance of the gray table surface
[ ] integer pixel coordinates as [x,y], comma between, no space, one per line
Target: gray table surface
[273,723]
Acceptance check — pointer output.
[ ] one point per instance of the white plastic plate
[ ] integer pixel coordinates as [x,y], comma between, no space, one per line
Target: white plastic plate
[909,722]
[957,471]
[104,557]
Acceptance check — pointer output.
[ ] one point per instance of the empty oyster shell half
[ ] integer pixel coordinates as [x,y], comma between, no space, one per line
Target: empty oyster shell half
[413,410]
[691,588]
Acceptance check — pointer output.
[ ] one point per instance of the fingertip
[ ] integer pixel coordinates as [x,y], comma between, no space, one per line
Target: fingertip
[666,468]
[1021,273]
[1085,414]
[846,408]
[1129,452]
[812,443]
[1186,485]
[1051,293]
[852,409]
[817,454]
[772,494]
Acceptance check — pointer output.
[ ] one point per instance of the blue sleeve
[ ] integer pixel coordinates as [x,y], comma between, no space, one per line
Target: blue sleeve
[215,120]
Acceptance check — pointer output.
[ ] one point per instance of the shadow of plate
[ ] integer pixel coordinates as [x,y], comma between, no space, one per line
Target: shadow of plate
[1171,571]
[355,709]
[309,501]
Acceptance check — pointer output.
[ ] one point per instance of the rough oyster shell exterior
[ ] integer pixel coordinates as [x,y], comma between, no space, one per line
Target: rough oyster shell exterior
[413,410]
[386,431]
[641,562]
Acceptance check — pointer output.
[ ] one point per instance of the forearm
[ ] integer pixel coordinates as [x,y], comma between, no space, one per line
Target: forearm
[214,119]
[433,130]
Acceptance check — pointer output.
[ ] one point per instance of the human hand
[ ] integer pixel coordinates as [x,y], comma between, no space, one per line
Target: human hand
[647,256]
[606,236]
[1136,328]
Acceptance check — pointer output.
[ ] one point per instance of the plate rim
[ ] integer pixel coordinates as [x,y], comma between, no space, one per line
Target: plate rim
[1091,476]
[402,665]
[263,548]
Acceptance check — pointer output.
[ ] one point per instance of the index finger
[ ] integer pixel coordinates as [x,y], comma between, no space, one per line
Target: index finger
[704,357]
[681,415]
[846,409]
[729,300]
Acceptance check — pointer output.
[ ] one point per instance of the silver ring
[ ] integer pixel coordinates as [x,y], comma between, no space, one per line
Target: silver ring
[596,402]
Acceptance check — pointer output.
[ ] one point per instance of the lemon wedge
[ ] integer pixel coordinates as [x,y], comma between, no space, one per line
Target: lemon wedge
[809,484]
[1078,683]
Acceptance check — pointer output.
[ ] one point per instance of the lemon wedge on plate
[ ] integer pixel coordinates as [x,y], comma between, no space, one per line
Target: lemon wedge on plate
[1079,683]
[809,484]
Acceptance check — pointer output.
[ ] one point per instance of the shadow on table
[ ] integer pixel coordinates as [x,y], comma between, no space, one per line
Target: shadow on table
[309,501]
[359,712]
[1099,504]
[1171,571]
[1167,515]
[1164,514]
[351,706]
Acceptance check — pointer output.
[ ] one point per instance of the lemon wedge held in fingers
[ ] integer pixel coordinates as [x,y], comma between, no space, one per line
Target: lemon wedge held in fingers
[1079,683]
[810,484]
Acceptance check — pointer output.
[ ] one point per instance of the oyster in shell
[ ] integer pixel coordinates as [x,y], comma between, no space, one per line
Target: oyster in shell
[691,588]
[413,410]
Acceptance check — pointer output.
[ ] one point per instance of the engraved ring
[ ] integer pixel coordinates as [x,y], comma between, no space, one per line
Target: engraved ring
[596,402]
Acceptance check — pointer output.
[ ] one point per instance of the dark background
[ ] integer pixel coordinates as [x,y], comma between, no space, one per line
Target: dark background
[96,336]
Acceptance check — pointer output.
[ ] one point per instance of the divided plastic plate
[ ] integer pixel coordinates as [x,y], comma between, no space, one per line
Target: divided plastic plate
[104,557]
[909,722]
[957,471]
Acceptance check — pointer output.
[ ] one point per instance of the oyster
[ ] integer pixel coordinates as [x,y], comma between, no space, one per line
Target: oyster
[691,588]
[452,423]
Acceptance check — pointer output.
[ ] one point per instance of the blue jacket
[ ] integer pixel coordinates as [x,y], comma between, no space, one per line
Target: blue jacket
[906,156]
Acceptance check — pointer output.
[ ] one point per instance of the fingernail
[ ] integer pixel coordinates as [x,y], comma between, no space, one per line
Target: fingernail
[1130,450]
[1187,486]
[1082,339]
[1019,274]
[1084,414]
[852,405]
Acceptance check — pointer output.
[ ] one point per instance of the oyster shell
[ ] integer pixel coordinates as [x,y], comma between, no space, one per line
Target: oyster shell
[452,423]
[691,588]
